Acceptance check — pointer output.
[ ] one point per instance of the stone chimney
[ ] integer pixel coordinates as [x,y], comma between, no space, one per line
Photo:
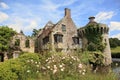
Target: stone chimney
[91,19]
[67,13]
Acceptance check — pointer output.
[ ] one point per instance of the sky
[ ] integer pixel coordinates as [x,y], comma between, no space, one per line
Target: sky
[27,15]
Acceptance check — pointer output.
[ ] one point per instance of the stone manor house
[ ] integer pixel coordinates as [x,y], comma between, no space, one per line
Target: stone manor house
[62,36]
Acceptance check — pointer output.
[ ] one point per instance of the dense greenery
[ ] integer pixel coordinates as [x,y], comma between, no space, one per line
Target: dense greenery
[5,37]
[94,38]
[114,42]
[51,66]
[35,32]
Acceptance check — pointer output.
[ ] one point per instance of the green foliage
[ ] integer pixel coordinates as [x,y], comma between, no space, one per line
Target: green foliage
[17,42]
[5,37]
[57,66]
[114,42]
[96,58]
[19,69]
[94,38]
[35,32]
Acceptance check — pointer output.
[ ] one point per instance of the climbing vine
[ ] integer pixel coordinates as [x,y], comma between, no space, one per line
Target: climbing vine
[94,37]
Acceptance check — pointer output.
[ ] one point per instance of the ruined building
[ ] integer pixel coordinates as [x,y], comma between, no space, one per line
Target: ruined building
[61,36]
[21,43]
[96,28]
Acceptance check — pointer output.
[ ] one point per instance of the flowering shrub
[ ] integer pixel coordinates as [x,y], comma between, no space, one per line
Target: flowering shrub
[56,66]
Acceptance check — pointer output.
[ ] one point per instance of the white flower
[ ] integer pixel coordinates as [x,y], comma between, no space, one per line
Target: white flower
[54,71]
[48,67]
[55,67]
[43,68]
[39,62]
[63,57]
[53,61]
[37,65]
[62,69]
[116,64]
[80,66]
[35,62]
[83,73]
[28,71]
[61,66]
[70,62]
[84,70]
[31,60]
[46,60]
[37,71]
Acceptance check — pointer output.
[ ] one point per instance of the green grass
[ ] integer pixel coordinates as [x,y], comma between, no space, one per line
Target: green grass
[115,50]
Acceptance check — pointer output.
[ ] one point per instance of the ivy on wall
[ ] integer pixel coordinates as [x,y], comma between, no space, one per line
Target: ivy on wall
[94,37]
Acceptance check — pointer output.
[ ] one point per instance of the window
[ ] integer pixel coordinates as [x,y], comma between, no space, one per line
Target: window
[46,40]
[17,42]
[27,43]
[63,28]
[76,40]
[58,38]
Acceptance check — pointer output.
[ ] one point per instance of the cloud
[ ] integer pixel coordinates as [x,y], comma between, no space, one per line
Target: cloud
[4,6]
[116,36]
[33,24]
[114,26]
[102,16]
[26,25]
[3,16]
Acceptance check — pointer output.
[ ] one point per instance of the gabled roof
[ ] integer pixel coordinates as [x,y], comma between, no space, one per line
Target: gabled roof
[48,25]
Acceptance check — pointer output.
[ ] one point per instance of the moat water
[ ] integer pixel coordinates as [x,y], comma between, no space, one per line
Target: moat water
[116,66]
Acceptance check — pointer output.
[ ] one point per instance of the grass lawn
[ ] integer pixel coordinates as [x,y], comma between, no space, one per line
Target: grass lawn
[115,50]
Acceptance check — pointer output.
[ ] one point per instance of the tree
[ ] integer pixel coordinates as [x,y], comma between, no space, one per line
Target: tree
[35,32]
[114,42]
[5,37]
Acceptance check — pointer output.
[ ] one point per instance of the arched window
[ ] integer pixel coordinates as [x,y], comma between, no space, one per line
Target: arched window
[75,40]
[27,43]
[46,40]
[58,38]
[17,42]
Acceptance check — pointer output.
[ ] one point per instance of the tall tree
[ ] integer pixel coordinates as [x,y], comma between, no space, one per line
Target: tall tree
[35,32]
[114,42]
[5,37]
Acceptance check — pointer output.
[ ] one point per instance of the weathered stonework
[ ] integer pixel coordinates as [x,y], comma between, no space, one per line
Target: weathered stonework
[62,36]
[22,44]
[102,29]
[64,28]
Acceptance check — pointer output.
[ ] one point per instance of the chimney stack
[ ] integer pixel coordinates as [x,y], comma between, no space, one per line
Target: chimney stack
[67,13]
[91,19]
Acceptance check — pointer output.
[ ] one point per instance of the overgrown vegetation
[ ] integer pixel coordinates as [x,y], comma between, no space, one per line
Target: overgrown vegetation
[94,38]
[51,66]
[5,37]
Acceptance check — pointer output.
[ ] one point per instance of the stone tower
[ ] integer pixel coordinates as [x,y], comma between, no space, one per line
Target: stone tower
[96,28]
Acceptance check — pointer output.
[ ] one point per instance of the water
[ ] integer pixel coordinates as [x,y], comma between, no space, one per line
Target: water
[116,66]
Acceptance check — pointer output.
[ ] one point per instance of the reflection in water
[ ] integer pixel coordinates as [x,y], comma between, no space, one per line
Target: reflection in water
[116,67]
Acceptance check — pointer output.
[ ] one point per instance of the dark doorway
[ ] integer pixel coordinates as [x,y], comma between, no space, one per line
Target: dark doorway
[1,57]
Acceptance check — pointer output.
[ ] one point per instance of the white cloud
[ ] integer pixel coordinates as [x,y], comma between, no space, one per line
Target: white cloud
[33,24]
[26,25]
[3,5]
[114,25]
[102,16]
[3,16]
[116,36]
